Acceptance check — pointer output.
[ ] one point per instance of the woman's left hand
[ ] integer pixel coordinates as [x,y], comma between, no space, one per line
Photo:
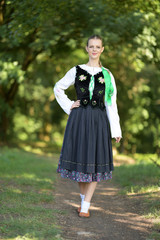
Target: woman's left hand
[118,139]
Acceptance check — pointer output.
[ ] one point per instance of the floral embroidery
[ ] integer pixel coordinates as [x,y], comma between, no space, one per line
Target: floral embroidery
[100,92]
[94,103]
[82,77]
[82,89]
[84,102]
[101,80]
[83,177]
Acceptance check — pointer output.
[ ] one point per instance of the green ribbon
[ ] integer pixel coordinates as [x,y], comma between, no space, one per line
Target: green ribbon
[108,86]
[91,87]
[109,89]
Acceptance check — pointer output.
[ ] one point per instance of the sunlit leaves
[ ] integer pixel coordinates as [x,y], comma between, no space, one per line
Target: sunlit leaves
[47,38]
[10,72]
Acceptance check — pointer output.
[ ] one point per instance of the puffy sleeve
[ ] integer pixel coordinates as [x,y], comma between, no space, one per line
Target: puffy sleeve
[62,85]
[112,113]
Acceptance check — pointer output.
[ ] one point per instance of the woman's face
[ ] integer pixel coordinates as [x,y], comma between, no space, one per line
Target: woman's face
[94,48]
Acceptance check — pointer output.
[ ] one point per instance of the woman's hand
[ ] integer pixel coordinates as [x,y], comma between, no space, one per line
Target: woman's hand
[118,139]
[76,104]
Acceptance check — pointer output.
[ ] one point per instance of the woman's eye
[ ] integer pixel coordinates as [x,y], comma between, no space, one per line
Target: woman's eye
[95,47]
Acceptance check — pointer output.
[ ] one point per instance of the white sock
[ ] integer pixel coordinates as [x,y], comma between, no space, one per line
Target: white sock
[82,199]
[85,207]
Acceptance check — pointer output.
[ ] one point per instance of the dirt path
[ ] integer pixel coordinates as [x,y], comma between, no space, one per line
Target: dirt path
[113,217]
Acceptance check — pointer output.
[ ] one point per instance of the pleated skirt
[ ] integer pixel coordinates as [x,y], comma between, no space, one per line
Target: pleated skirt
[86,153]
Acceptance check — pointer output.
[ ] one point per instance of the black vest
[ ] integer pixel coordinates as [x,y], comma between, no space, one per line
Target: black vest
[82,81]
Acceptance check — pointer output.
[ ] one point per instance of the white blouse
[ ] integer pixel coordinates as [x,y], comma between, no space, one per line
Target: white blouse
[66,103]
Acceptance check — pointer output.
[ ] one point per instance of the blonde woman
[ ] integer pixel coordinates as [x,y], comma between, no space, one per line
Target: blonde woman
[86,154]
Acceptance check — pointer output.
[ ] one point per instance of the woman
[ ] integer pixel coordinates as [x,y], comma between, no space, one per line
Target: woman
[86,155]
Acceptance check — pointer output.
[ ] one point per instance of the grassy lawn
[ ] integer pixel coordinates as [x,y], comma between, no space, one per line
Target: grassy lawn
[27,191]
[142,179]
[27,195]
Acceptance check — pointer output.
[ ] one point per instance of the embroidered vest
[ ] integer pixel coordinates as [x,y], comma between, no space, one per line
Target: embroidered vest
[82,82]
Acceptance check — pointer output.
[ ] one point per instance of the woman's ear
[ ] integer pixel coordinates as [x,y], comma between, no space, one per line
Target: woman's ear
[102,49]
[86,48]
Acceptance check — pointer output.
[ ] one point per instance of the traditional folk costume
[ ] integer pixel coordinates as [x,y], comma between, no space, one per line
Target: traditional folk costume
[86,153]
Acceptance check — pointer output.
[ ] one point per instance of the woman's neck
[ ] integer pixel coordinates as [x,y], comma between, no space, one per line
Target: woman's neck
[93,63]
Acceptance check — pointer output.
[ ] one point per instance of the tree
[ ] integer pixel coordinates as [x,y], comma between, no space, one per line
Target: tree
[40,40]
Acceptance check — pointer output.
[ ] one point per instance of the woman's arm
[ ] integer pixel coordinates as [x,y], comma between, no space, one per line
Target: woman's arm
[62,85]
[112,113]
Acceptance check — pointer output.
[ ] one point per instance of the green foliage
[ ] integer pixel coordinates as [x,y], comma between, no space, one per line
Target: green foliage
[145,111]
[41,40]
[9,72]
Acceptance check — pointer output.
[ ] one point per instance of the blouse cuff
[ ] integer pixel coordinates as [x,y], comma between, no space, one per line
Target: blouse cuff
[114,121]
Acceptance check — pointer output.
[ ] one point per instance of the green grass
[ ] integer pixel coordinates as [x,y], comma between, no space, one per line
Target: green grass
[142,179]
[27,192]
[156,232]
[138,178]
[27,195]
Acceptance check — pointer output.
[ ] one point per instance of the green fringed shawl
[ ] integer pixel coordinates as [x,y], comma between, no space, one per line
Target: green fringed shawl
[108,86]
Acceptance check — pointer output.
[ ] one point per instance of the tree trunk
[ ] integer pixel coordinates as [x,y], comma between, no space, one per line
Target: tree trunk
[3,127]
[1,12]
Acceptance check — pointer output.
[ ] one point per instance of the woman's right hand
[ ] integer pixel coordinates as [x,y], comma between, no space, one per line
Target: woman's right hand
[76,104]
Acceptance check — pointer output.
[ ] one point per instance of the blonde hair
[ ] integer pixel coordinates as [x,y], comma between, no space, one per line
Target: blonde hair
[95,37]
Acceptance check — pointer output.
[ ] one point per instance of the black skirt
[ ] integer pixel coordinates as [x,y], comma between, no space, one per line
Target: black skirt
[86,153]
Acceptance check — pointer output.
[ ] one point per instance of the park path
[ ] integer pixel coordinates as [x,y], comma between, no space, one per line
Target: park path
[113,217]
